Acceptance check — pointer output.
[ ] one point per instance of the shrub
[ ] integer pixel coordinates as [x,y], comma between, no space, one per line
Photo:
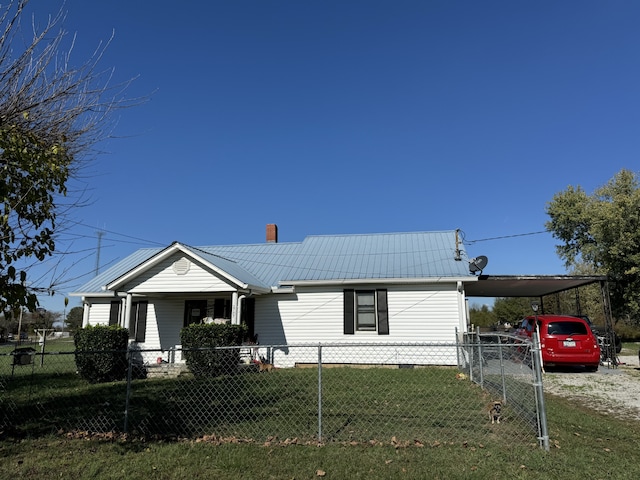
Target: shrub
[101,353]
[200,347]
[627,332]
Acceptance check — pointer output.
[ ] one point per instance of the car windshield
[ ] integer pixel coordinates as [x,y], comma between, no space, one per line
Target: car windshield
[567,328]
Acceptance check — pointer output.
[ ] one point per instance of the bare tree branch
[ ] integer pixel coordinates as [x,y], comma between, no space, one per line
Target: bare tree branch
[52,115]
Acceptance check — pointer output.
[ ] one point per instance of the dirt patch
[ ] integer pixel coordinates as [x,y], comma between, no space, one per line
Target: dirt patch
[614,391]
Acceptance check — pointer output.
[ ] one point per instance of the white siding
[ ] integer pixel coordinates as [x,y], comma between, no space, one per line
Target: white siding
[165,318]
[316,315]
[164,322]
[416,314]
[162,278]
[99,312]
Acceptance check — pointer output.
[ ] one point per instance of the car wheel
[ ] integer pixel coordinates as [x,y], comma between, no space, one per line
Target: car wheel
[591,368]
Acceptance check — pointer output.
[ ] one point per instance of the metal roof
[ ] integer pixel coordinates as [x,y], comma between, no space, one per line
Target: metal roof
[123,266]
[417,255]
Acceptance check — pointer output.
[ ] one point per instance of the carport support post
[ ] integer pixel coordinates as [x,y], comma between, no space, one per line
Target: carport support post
[608,324]
[537,386]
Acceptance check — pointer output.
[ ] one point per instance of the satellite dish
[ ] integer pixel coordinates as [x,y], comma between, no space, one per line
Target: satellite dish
[477,264]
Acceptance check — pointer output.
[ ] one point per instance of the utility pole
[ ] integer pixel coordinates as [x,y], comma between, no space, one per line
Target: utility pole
[100,233]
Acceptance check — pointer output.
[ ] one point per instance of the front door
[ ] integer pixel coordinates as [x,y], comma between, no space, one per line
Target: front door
[194,311]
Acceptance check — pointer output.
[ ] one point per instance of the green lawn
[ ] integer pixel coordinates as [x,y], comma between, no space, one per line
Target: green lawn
[426,404]
[376,423]
[585,444]
[630,348]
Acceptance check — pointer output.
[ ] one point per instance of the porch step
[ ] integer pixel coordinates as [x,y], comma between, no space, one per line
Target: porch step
[169,370]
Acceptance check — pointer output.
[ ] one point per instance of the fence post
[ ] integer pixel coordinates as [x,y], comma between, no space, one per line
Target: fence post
[537,385]
[472,353]
[128,394]
[502,374]
[480,358]
[458,344]
[319,393]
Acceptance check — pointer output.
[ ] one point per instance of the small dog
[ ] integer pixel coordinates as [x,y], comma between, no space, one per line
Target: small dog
[265,367]
[495,412]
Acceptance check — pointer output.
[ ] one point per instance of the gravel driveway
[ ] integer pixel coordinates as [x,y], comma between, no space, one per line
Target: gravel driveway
[611,390]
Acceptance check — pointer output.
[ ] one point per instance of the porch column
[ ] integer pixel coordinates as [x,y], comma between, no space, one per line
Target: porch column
[127,311]
[235,317]
[85,314]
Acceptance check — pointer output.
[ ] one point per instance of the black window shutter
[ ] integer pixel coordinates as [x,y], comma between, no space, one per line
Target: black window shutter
[349,321]
[113,313]
[132,320]
[141,323]
[383,312]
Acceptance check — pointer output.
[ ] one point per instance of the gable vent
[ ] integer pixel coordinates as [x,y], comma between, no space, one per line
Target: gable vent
[181,267]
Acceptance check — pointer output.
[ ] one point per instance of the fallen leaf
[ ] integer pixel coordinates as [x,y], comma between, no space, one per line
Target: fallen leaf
[387,462]
[320,473]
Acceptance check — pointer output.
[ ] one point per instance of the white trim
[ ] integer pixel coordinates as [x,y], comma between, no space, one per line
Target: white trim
[377,281]
[163,255]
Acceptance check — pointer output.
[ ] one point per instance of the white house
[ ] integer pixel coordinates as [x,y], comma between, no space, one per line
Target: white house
[378,288]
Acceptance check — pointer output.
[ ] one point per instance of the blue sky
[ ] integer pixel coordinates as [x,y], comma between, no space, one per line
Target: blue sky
[332,117]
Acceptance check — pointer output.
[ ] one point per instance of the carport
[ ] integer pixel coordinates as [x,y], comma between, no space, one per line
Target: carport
[540,286]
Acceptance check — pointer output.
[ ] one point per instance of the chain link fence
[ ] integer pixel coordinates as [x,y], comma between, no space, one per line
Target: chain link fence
[354,393]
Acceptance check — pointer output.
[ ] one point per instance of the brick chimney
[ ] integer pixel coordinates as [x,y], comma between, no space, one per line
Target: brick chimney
[272,233]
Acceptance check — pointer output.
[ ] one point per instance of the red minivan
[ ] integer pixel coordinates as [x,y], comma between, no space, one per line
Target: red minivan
[564,341]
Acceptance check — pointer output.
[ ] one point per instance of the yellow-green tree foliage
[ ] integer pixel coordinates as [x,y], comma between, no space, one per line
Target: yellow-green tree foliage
[51,114]
[602,230]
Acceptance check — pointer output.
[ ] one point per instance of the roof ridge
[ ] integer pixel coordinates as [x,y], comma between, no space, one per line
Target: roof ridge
[379,234]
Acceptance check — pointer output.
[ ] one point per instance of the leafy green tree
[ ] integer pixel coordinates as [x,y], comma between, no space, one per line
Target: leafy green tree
[481,316]
[602,230]
[586,300]
[74,319]
[51,115]
[512,309]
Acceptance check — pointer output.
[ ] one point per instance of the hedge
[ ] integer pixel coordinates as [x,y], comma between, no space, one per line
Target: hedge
[200,347]
[101,353]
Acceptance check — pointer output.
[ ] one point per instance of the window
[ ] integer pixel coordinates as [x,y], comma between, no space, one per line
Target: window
[222,308]
[366,311]
[567,328]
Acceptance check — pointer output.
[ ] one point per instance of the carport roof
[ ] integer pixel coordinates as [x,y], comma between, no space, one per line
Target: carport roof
[526,285]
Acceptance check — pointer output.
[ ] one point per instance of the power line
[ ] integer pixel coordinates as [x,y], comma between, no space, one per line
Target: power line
[469,242]
[144,240]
